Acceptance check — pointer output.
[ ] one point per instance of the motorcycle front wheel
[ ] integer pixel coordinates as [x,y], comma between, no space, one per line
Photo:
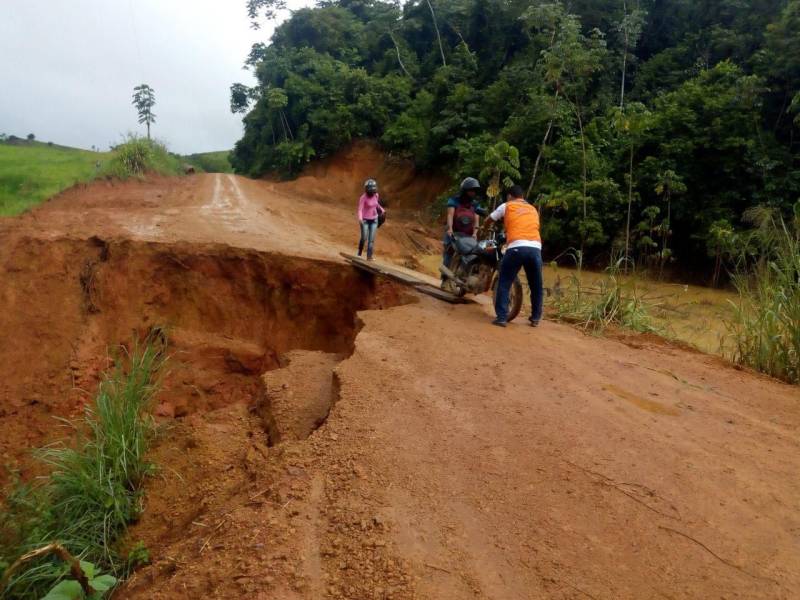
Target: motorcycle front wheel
[514,298]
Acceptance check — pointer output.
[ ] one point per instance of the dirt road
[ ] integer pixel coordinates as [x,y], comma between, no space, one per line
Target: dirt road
[336,437]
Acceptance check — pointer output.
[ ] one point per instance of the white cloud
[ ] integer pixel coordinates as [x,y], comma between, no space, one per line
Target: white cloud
[68,68]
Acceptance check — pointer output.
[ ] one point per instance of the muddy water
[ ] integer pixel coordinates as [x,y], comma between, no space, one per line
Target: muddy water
[692,314]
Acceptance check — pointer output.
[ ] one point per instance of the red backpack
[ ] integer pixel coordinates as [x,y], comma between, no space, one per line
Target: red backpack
[464,219]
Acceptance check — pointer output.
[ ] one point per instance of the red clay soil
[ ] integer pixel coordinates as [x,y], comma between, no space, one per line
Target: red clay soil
[340,178]
[457,460]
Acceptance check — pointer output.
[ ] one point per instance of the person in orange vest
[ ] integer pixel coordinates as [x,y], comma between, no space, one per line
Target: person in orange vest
[524,251]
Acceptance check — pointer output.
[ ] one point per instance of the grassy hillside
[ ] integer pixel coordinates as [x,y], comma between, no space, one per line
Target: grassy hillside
[33,172]
[212,162]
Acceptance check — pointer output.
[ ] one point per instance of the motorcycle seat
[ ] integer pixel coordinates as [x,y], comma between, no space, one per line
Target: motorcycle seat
[466,245]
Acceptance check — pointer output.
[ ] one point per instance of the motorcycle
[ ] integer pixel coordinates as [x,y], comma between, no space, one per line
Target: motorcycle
[474,269]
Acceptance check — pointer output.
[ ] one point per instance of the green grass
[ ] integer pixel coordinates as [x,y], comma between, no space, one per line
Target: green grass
[212,162]
[94,488]
[32,173]
[137,156]
[765,328]
[613,300]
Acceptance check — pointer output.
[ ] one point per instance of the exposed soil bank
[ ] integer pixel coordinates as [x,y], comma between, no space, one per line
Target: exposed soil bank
[459,460]
[229,313]
[340,178]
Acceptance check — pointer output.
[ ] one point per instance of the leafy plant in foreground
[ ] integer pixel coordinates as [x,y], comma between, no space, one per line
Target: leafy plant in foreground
[94,487]
[70,589]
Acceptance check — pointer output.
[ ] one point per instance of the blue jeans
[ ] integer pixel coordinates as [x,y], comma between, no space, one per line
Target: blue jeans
[368,229]
[515,259]
[447,253]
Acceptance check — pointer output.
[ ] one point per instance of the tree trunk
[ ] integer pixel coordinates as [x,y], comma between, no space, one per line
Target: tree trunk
[438,35]
[665,235]
[585,181]
[630,206]
[148,130]
[399,58]
[542,148]
[624,55]
[288,127]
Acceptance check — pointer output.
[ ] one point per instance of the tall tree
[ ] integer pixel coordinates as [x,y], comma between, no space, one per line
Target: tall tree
[144,99]
[633,125]
[630,29]
[438,35]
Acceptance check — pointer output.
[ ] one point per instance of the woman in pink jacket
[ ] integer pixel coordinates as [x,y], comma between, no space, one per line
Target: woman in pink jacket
[369,208]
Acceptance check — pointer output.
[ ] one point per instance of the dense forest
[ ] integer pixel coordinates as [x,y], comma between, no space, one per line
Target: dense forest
[651,125]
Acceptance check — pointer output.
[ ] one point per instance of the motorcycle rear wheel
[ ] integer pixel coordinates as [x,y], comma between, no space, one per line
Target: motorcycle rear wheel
[514,298]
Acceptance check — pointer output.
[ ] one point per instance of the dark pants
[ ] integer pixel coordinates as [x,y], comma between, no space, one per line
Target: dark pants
[515,259]
[368,229]
[447,251]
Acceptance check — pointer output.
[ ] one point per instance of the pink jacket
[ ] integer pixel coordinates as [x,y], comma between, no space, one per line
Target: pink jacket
[369,207]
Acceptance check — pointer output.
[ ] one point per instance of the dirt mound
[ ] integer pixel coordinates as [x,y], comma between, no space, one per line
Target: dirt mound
[230,315]
[298,397]
[340,178]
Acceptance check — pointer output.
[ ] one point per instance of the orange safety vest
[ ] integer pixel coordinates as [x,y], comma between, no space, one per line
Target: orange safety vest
[522,222]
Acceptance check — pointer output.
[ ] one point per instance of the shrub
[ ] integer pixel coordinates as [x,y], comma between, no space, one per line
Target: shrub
[615,301]
[94,487]
[137,156]
[765,329]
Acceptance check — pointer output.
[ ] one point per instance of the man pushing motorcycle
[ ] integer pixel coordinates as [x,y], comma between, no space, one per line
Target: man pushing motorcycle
[524,251]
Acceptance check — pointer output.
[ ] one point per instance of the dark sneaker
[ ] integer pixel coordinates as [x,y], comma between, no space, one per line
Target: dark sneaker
[500,323]
[370,258]
[533,322]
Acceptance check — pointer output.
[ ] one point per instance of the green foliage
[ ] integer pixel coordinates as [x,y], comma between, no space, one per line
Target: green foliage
[94,487]
[501,168]
[32,173]
[765,328]
[144,99]
[137,156]
[601,99]
[615,301]
[212,162]
[69,589]
[137,556]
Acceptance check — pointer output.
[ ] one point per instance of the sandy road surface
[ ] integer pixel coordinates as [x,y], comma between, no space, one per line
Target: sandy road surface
[458,460]
[212,208]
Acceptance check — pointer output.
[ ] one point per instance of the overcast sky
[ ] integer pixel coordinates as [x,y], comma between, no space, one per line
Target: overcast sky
[68,68]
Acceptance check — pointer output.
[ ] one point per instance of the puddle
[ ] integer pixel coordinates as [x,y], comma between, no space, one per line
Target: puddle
[643,403]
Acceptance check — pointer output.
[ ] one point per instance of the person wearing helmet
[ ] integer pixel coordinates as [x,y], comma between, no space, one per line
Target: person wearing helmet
[369,209]
[462,216]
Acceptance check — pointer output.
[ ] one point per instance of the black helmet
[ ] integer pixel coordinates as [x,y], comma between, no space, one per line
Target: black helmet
[370,185]
[470,183]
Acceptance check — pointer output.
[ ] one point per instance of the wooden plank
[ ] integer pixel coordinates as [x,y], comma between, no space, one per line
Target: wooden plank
[380,269]
[404,278]
[440,294]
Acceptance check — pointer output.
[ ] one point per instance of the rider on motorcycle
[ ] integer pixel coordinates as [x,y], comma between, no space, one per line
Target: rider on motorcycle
[463,216]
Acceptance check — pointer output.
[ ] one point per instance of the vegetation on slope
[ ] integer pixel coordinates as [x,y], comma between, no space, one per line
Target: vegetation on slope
[94,488]
[648,127]
[765,328]
[137,156]
[212,162]
[33,172]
